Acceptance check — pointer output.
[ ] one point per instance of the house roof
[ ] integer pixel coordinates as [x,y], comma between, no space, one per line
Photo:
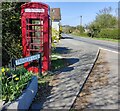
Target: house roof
[55,13]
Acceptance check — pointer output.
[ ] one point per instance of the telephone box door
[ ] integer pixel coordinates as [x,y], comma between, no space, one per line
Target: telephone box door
[35,34]
[34,40]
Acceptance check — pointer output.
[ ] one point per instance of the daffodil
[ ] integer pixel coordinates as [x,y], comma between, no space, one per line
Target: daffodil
[3,69]
[14,75]
[7,69]
[16,78]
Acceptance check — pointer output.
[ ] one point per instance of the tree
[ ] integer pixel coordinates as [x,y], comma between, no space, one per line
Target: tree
[68,29]
[94,29]
[103,20]
[81,29]
[106,20]
[105,10]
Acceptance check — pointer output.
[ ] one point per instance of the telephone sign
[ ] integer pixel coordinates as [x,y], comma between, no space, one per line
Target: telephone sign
[34,10]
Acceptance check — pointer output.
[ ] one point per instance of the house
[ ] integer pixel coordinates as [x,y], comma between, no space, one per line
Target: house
[56,17]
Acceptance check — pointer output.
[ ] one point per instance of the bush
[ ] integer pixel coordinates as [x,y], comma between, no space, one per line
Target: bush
[11,31]
[84,34]
[93,31]
[81,30]
[13,83]
[55,37]
[108,33]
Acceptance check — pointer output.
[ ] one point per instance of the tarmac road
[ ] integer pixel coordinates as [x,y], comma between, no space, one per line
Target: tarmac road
[98,43]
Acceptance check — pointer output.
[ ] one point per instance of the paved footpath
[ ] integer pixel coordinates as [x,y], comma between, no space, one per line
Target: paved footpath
[69,80]
[101,88]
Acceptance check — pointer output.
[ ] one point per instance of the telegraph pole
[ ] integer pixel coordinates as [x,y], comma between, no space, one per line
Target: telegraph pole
[81,20]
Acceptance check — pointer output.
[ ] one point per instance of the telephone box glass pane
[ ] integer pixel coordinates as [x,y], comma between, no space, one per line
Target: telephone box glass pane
[35,21]
[35,33]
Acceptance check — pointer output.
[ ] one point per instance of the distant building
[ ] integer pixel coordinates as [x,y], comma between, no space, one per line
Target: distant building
[56,17]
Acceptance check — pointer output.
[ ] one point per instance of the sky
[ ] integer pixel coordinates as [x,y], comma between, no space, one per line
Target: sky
[71,11]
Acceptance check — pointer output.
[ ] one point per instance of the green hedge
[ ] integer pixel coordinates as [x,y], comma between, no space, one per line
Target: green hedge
[109,33]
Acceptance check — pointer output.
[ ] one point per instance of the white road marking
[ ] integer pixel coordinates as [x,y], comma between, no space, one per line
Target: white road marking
[108,50]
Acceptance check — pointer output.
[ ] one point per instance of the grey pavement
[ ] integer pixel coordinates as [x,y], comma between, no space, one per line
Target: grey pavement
[69,80]
[101,88]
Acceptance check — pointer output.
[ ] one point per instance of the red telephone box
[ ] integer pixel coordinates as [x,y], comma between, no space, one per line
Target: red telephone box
[36,34]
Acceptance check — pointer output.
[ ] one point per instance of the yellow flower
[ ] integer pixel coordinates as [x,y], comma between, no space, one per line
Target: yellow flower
[3,69]
[16,78]
[7,69]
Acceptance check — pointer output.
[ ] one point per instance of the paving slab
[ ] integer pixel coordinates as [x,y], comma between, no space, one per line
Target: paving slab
[70,79]
[101,88]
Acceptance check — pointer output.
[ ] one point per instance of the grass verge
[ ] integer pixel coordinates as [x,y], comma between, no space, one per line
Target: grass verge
[96,38]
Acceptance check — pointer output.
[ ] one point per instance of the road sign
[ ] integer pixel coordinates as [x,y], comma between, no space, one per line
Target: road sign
[27,59]
[17,62]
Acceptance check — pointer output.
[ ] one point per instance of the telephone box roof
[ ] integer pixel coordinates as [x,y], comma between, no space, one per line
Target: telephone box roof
[34,5]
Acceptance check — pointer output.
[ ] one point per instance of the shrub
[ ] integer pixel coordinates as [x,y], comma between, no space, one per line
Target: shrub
[81,30]
[55,36]
[93,32]
[11,31]
[108,33]
[13,83]
[84,34]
